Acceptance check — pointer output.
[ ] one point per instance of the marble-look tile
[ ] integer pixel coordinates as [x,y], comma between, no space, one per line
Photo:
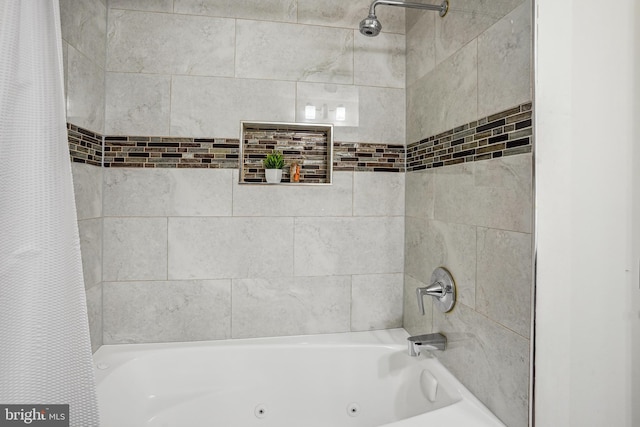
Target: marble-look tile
[263,10]
[376,301]
[146,5]
[268,50]
[458,28]
[505,278]
[148,42]
[504,62]
[494,193]
[135,249]
[378,194]
[167,192]
[431,244]
[290,306]
[348,14]
[492,361]
[413,321]
[137,104]
[380,61]
[421,47]
[381,117]
[195,113]
[444,98]
[85,92]
[216,248]
[334,246]
[94,314]
[90,231]
[416,249]
[326,98]
[84,26]
[87,187]
[191,310]
[294,201]
[420,194]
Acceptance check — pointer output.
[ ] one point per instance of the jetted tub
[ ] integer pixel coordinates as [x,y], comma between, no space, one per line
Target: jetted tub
[360,379]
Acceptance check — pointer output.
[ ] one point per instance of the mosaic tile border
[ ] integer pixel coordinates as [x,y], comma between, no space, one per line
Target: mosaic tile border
[506,133]
[84,146]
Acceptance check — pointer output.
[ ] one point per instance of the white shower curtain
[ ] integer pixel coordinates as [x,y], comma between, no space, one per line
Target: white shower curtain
[45,354]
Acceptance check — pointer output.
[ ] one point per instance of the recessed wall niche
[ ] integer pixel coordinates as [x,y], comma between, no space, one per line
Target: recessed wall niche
[308,145]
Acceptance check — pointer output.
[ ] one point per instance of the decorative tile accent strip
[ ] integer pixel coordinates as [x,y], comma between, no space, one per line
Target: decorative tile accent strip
[503,134]
[170,152]
[359,157]
[306,147]
[506,133]
[84,146]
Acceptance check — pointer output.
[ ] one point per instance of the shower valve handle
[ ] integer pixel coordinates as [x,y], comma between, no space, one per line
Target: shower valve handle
[436,289]
[442,289]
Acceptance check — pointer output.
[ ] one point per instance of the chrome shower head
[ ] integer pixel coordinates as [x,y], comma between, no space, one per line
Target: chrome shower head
[370,26]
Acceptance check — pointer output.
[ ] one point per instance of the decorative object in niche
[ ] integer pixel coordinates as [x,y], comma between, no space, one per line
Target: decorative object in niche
[307,146]
[273,164]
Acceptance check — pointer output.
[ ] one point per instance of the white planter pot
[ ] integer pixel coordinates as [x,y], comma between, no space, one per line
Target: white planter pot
[273,176]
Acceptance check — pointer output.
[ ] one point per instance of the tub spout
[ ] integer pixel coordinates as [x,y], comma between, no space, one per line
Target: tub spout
[426,342]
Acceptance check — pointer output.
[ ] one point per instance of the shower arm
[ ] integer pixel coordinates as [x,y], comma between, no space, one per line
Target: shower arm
[443,8]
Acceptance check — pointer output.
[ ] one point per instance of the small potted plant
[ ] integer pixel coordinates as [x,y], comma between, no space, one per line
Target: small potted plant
[273,164]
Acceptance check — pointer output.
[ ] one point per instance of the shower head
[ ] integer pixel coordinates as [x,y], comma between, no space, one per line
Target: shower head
[370,26]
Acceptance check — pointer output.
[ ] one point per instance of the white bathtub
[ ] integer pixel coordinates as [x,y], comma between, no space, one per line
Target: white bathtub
[361,379]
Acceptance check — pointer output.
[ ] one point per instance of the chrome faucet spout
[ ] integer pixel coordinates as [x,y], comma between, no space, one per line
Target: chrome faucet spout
[430,342]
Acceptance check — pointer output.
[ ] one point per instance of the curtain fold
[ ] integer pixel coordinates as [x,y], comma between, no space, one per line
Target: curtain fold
[45,350]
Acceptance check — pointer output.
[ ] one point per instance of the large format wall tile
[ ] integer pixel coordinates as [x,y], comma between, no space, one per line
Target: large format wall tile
[135,249]
[378,194]
[380,61]
[505,278]
[136,312]
[167,192]
[87,187]
[445,97]
[348,14]
[84,25]
[290,306]
[381,117]
[266,50]
[90,231]
[334,246]
[264,10]
[294,201]
[504,62]
[376,301]
[137,104]
[492,361]
[212,106]
[420,194]
[215,248]
[85,91]
[496,193]
[421,50]
[146,42]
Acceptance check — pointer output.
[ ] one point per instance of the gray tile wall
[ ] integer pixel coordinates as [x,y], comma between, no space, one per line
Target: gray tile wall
[191,254]
[83,45]
[474,218]
[197,68]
